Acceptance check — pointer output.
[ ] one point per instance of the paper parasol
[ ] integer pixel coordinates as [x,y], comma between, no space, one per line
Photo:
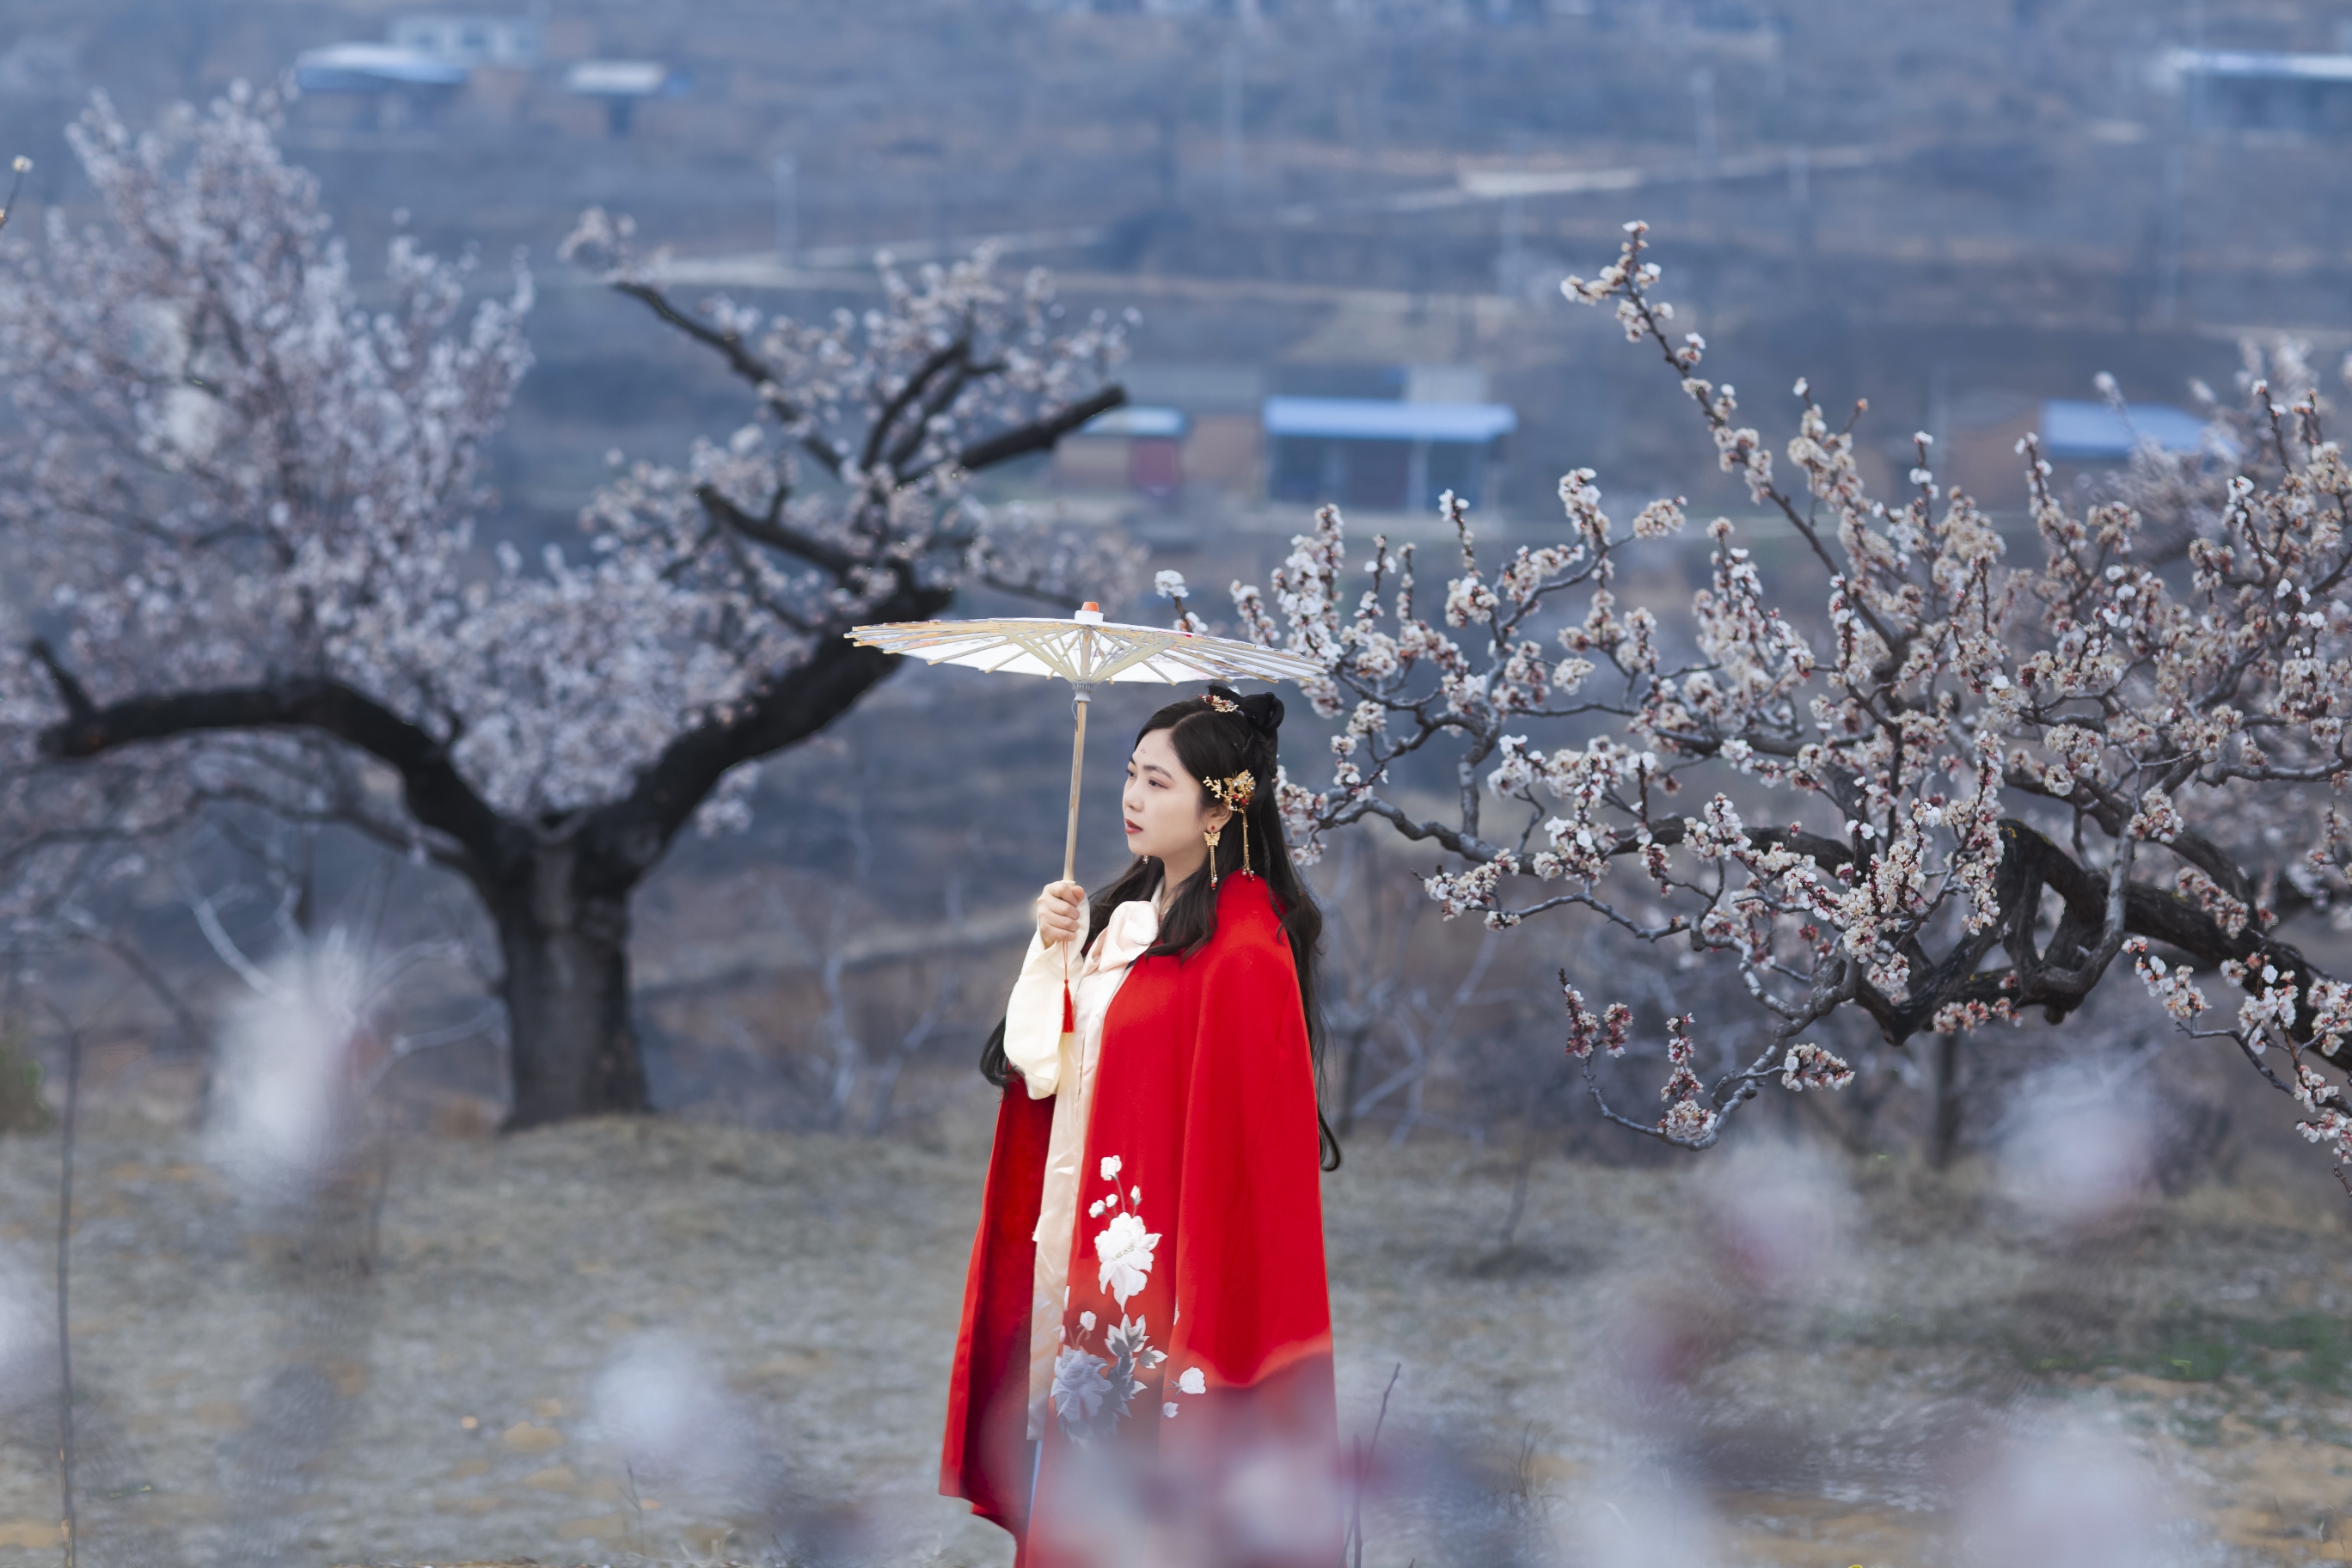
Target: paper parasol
[1087,651]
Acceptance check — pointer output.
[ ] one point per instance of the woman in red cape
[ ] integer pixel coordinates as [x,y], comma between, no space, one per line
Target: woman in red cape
[1144,1371]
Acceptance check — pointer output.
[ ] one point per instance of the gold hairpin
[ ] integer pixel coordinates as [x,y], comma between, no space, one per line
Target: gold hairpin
[1224,705]
[1234,793]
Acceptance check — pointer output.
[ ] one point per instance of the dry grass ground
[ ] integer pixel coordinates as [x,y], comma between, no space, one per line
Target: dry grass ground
[1827,1405]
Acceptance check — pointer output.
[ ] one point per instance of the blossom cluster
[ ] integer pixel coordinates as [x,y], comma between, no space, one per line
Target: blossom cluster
[2170,984]
[1809,1066]
[1586,1032]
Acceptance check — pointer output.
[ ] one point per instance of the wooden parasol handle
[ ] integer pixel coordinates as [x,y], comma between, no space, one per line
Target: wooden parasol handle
[1077,769]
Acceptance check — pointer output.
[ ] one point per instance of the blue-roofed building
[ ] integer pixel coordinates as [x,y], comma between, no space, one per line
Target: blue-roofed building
[1381,454]
[621,85]
[1138,446]
[1139,419]
[2265,89]
[1188,424]
[2096,432]
[377,86]
[470,39]
[374,69]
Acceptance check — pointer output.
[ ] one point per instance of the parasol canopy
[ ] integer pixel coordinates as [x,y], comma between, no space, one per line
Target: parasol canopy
[1087,651]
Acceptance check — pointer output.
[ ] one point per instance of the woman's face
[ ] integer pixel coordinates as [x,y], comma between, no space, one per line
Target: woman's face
[1166,810]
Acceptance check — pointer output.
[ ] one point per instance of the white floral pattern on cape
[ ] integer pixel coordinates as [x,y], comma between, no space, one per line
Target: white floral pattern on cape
[1092,1393]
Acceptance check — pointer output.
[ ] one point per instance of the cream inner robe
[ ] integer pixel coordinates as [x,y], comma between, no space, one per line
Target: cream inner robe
[1063,1066]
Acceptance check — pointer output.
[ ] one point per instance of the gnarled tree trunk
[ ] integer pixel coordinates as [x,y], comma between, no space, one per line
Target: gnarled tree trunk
[573,1045]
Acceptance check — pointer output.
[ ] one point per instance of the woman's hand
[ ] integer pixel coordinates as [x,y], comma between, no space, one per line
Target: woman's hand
[1062,913]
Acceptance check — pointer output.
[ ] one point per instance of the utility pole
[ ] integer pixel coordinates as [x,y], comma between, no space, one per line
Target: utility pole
[1702,86]
[1510,266]
[1232,124]
[2172,176]
[2171,222]
[787,172]
[1800,211]
[1940,419]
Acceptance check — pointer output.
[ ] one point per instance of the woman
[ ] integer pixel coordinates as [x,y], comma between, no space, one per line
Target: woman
[1145,1369]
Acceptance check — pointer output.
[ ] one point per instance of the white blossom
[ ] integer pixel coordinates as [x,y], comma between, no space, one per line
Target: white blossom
[1124,1249]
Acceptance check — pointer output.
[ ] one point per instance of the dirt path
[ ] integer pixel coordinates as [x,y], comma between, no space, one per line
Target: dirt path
[1619,1369]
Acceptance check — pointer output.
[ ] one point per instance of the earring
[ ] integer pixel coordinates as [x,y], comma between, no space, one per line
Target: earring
[1212,835]
[1245,864]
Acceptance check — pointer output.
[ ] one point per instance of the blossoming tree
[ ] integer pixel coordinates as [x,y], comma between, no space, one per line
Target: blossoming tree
[246,500]
[1969,791]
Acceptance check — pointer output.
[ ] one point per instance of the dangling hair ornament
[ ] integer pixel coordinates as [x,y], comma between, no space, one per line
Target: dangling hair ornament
[1234,793]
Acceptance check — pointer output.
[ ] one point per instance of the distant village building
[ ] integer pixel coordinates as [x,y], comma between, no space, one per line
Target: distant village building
[1223,446]
[2076,432]
[510,43]
[1138,448]
[1187,425]
[621,85]
[427,60]
[1380,438]
[386,86]
[2266,90]
[430,58]
[1978,435]
[374,69]
[1384,455]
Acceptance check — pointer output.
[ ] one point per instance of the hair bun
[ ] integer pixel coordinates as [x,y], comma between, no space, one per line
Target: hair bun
[1261,710]
[1261,716]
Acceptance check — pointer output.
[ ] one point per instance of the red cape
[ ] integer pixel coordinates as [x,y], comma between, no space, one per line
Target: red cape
[1201,1202]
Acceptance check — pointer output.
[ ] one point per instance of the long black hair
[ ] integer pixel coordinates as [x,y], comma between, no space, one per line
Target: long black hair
[1216,736]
